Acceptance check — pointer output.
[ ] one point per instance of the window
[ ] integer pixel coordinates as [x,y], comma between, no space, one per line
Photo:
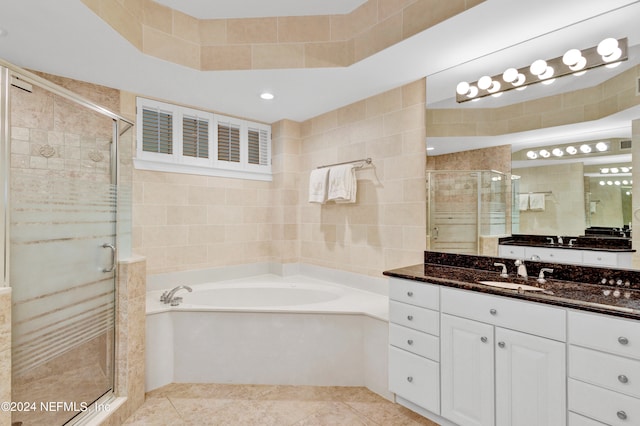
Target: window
[184,140]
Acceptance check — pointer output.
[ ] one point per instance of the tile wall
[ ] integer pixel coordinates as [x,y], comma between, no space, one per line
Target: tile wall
[272,42]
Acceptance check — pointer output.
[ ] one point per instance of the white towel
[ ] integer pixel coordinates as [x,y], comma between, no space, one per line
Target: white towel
[342,184]
[536,202]
[593,206]
[523,202]
[318,180]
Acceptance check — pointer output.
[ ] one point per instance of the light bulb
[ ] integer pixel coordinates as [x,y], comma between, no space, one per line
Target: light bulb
[544,153]
[604,170]
[614,170]
[609,183]
[602,183]
[473,92]
[497,95]
[625,182]
[624,169]
[585,149]
[548,73]
[520,81]
[572,58]
[571,150]
[607,47]
[538,67]
[617,182]
[547,82]
[613,65]
[494,87]
[267,96]
[532,155]
[602,146]
[462,88]
[510,75]
[557,152]
[484,82]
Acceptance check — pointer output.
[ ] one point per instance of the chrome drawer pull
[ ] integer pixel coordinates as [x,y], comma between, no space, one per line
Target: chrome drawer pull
[622,415]
[483,339]
[410,317]
[409,342]
[410,379]
[410,293]
[623,340]
[493,311]
[501,344]
[623,379]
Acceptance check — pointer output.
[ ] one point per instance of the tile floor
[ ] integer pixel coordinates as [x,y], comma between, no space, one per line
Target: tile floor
[263,405]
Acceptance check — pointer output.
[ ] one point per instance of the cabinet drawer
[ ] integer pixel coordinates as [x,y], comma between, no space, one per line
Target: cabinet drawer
[617,336]
[414,317]
[415,293]
[599,258]
[415,378]
[511,251]
[554,255]
[612,372]
[578,420]
[603,405]
[415,341]
[531,318]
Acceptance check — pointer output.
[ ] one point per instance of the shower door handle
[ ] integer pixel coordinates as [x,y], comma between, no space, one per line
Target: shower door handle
[113,257]
[436,231]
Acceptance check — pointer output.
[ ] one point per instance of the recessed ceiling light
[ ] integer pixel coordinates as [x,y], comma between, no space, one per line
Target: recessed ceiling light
[267,96]
[430,148]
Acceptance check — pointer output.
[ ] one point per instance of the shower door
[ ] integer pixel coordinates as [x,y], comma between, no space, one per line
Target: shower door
[453,207]
[62,255]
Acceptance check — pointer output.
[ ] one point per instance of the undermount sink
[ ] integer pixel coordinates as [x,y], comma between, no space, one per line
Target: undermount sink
[512,286]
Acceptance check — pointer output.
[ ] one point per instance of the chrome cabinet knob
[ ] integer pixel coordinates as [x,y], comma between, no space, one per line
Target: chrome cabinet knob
[623,379]
[493,311]
[410,293]
[409,342]
[501,344]
[409,379]
[622,415]
[483,339]
[623,340]
[410,317]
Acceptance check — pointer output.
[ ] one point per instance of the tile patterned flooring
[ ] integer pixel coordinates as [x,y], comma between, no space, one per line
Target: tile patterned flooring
[264,405]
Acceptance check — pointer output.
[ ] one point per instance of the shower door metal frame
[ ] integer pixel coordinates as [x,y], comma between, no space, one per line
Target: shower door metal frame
[7,72]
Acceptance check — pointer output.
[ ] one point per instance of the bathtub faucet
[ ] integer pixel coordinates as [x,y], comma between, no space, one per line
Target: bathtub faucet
[168,296]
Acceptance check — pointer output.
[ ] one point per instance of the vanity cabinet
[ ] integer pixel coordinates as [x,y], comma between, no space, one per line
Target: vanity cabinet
[566,255]
[610,393]
[494,355]
[414,342]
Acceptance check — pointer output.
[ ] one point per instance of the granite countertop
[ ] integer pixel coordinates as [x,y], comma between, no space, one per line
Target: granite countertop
[569,294]
[567,246]
[610,244]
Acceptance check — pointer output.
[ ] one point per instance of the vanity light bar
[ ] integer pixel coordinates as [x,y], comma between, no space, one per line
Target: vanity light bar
[609,52]
[571,150]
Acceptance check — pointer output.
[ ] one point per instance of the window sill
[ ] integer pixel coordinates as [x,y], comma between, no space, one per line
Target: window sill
[157,166]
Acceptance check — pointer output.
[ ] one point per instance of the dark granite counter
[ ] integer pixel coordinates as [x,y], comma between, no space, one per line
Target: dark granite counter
[602,290]
[610,244]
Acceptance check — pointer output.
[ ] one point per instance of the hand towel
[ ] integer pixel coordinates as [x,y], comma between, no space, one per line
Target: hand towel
[536,202]
[318,180]
[593,206]
[342,184]
[523,202]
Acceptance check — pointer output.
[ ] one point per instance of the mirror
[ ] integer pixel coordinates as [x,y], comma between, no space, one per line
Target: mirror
[570,195]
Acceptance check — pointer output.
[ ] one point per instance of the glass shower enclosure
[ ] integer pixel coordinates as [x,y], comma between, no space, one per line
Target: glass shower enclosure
[61,207]
[464,208]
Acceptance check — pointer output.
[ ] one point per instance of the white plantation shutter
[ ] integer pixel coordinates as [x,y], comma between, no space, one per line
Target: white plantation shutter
[195,137]
[258,146]
[157,131]
[229,142]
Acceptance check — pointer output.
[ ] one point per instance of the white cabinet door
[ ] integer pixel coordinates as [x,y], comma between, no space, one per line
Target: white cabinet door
[530,380]
[466,363]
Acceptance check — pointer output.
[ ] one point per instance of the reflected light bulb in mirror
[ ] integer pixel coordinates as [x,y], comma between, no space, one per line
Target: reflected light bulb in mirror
[557,152]
[585,149]
[571,150]
[532,155]
[602,183]
[544,153]
[614,170]
[602,146]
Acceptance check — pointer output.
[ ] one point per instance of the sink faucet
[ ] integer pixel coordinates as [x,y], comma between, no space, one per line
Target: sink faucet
[550,239]
[522,268]
[168,296]
[541,279]
[504,273]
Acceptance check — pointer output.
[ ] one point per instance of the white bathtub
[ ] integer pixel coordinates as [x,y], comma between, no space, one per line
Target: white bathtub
[269,330]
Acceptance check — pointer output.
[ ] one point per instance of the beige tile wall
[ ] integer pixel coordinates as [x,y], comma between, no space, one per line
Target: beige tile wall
[386,227]
[272,42]
[564,209]
[614,95]
[493,158]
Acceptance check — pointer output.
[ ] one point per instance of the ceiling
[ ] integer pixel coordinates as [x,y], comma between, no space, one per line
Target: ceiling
[65,38]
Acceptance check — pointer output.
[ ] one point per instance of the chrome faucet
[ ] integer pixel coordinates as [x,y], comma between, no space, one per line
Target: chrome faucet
[522,268]
[541,279]
[550,239]
[504,273]
[168,297]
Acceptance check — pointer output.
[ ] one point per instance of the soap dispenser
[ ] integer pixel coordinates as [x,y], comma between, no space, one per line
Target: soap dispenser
[560,240]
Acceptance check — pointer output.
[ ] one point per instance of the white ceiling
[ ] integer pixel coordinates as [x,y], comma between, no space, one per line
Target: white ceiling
[212,9]
[65,38]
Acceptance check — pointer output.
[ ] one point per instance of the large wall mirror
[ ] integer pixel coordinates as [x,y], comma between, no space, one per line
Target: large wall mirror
[554,159]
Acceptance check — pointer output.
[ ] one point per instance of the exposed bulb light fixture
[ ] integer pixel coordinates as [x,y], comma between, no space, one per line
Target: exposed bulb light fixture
[602,146]
[532,155]
[609,52]
[625,169]
[544,153]
[571,150]
[614,170]
[557,152]
[585,149]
